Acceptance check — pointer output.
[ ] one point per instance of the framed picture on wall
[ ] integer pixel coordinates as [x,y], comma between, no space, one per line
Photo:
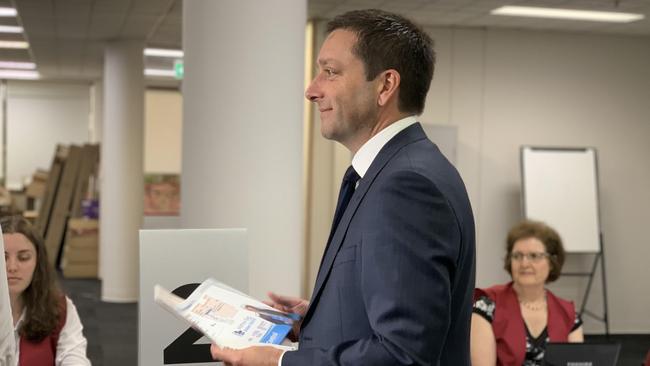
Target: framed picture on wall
[162,195]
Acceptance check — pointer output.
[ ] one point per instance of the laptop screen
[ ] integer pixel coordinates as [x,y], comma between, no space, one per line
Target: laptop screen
[581,354]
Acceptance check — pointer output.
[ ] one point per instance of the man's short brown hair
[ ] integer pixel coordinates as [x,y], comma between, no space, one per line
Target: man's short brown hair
[389,41]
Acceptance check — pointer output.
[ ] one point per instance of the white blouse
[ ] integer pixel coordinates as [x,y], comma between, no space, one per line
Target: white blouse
[71,348]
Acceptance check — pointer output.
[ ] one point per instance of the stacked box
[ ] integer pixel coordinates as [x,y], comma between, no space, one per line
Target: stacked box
[36,189]
[80,253]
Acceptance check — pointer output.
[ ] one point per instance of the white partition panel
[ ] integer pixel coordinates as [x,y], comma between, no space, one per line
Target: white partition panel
[176,259]
[7,345]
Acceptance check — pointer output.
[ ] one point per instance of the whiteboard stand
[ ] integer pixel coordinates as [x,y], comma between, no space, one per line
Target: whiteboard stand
[560,188]
[599,258]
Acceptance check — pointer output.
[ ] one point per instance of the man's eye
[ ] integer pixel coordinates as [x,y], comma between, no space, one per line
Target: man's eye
[329,72]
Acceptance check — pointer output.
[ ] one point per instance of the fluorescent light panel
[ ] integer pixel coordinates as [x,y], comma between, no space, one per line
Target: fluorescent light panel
[161,52]
[14,44]
[10,29]
[17,65]
[160,72]
[7,12]
[19,74]
[596,16]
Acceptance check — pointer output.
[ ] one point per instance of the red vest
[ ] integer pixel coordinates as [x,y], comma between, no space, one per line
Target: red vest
[509,327]
[43,352]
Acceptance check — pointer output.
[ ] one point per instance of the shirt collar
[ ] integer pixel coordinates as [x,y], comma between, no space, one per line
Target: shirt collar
[368,151]
[20,321]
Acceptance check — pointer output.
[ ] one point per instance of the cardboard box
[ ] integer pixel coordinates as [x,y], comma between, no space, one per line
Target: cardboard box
[36,189]
[81,226]
[80,255]
[80,250]
[80,270]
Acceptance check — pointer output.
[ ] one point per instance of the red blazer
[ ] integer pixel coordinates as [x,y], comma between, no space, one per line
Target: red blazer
[43,352]
[509,327]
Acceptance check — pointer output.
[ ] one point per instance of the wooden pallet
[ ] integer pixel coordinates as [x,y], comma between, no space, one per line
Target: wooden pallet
[54,176]
[62,204]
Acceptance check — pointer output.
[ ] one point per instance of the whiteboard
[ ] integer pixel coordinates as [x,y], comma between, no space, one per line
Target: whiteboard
[560,188]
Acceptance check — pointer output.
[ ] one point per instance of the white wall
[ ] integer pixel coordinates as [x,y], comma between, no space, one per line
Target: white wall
[504,89]
[163,131]
[41,115]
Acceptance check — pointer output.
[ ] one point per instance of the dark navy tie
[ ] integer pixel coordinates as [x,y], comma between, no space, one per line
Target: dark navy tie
[348,185]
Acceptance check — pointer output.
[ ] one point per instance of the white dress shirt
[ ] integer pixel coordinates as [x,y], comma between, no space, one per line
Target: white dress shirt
[71,348]
[368,152]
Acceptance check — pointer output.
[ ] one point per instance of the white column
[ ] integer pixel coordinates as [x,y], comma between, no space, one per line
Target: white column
[242,130]
[121,170]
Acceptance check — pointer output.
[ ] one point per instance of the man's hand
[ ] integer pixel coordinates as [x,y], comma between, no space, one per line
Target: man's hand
[290,304]
[251,356]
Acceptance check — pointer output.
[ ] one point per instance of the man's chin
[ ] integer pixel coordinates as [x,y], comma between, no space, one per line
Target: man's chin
[328,133]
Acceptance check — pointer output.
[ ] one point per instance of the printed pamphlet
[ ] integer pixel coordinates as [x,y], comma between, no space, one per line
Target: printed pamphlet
[228,317]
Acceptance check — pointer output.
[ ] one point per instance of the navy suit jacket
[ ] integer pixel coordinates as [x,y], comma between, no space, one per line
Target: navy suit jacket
[395,284]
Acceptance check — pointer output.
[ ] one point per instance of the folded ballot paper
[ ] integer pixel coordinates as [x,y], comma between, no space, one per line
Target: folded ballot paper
[228,317]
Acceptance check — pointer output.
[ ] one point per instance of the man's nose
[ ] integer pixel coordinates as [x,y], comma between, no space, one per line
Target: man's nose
[313,93]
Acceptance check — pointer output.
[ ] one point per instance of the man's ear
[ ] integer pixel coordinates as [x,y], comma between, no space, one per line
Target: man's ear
[388,85]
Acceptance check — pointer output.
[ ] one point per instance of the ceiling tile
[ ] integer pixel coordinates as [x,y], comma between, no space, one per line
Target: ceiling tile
[138,26]
[67,36]
[14,54]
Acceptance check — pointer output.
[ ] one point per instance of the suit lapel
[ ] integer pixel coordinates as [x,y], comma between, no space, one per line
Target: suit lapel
[403,138]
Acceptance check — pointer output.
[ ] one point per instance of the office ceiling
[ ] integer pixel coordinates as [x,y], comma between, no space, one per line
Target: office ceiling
[67,36]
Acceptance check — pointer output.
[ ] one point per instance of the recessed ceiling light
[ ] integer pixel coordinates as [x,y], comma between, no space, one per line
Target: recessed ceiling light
[161,52]
[19,74]
[17,65]
[10,29]
[14,44]
[7,12]
[159,72]
[596,16]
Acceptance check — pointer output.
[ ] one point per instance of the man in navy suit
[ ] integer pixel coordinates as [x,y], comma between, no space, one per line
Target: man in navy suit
[395,283]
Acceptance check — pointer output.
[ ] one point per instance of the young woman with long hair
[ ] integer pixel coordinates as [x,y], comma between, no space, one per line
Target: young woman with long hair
[47,327]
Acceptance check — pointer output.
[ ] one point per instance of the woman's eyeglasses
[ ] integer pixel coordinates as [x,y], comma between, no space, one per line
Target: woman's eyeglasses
[532,257]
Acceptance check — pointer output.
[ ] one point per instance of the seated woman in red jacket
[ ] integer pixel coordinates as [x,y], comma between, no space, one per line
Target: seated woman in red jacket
[512,323]
[47,328]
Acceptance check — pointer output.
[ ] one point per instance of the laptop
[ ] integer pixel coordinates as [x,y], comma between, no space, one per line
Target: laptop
[581,354]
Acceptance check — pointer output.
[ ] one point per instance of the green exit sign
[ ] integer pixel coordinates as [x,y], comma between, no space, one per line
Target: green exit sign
[179,70]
